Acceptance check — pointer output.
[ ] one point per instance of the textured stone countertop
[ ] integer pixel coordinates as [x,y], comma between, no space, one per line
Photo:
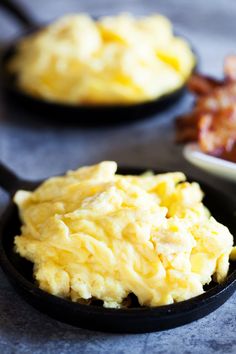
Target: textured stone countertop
[36,149]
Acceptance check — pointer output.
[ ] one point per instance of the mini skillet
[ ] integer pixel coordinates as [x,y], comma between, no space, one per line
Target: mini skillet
[131,320]
[82,114]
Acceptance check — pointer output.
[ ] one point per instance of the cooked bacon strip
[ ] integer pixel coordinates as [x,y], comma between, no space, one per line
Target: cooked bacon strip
[212,121]
[230,67]
[202,85]
[187,127]
[217,132]
[229,155]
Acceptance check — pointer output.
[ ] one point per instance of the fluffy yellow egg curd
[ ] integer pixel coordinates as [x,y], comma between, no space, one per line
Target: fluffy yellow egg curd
[96,234]
[114,60]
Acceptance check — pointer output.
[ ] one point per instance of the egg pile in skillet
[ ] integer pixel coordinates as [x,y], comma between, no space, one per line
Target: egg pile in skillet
[114,60]
[96,234]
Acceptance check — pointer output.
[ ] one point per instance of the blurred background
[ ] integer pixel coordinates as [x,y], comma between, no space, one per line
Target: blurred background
[37,148]
[206,23]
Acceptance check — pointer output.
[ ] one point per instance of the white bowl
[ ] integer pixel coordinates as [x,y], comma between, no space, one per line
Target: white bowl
[213,165]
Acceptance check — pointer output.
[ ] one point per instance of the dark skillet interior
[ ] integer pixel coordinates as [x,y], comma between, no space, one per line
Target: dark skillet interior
[131,320]
[83,114]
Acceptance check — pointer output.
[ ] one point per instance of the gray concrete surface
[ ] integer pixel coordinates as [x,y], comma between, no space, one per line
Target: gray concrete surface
[36,149]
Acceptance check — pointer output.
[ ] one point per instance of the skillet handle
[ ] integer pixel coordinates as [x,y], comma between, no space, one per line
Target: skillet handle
[8,180]
[18,12]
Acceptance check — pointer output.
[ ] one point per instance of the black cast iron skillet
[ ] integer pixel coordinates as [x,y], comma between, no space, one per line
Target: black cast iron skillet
[83,114]
[131,320]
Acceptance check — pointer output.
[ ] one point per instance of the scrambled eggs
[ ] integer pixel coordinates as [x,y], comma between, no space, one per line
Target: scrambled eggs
[94,233]
[119,59]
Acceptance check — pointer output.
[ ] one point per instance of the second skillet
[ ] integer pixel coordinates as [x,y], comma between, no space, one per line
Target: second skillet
[81,114]
[131,320]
